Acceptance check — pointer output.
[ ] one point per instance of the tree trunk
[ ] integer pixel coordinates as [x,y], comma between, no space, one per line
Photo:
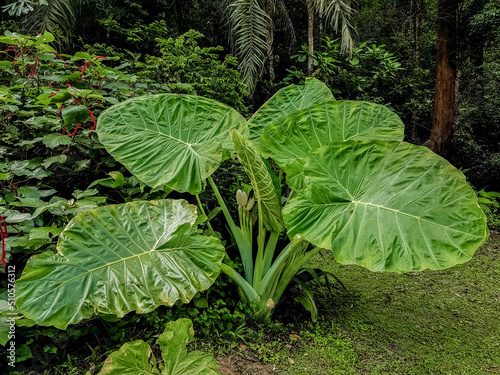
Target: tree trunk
[310,37]
[412,16]
[416,10]
[444,96]
[270,56]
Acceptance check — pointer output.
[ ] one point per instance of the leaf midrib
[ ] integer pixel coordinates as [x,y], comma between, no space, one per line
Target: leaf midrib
[369,204]
[104,266]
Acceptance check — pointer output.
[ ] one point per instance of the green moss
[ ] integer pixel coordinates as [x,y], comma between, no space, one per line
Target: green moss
[430,322]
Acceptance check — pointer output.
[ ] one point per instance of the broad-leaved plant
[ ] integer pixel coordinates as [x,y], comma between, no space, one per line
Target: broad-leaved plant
[352,186]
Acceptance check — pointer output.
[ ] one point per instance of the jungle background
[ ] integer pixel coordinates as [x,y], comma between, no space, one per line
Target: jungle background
[392,60]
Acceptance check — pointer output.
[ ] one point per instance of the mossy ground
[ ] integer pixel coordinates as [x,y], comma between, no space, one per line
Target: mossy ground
[430,322]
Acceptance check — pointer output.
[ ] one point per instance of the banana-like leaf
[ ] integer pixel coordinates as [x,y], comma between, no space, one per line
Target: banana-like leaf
[117,259]
[294,136]
[131,359]
[170,139]
[262,182]
[178,361]
[386,206]
[286,101]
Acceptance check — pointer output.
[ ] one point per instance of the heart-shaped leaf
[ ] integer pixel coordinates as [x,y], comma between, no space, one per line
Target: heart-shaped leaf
[75,114]
[170,139]
[387,206]
[289,141]
[136,357]
[294,136]
[131,359]
[120,258]
[286,101]
[173,342]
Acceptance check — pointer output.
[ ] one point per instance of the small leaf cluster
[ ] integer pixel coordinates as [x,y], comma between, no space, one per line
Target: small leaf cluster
[370,73]
[490,203]
[186,67]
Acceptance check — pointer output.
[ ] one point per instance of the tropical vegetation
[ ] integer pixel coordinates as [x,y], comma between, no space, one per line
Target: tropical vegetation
[151,183]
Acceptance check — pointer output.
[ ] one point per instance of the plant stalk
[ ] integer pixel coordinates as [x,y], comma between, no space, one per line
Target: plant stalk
[203,212]
[250,293]
[244,247]
[261,238]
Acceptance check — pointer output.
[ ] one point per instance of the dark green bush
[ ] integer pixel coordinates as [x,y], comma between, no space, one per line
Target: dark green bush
[182,61]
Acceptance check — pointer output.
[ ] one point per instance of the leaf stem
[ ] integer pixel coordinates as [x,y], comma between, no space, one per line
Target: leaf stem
[222,204]
[203,212]
[261,238]
[292,270]
[244,246]
[270,250]
[250,293]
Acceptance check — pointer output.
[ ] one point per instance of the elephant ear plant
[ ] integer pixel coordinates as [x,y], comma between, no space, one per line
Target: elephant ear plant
[354,187]
[137,357]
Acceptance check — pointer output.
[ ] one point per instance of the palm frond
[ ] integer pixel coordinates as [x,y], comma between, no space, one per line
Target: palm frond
[58,17]
[339,12]
[319,6]
[250,26]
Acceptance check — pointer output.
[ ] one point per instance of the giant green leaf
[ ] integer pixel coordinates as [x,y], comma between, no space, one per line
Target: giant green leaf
[136,357]
[120,258]
[290,141]
[170,139]
[294,136]
[386,206]
[263,184]
[286,101]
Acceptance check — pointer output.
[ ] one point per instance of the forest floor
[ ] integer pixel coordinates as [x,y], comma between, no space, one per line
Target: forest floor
[430,322]
[418,323]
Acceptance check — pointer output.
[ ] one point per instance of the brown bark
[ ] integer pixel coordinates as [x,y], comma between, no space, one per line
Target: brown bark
[444,96]
[310,37]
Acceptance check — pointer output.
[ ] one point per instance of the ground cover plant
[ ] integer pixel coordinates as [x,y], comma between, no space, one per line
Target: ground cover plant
[357,190]
[136,357]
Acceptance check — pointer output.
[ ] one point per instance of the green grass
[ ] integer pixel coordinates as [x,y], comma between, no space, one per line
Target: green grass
[430,322]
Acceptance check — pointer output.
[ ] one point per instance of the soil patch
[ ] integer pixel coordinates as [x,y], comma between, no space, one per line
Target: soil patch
[234,364]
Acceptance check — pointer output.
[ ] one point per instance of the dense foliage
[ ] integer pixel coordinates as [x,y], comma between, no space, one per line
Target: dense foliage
[53,166]
[476,143]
